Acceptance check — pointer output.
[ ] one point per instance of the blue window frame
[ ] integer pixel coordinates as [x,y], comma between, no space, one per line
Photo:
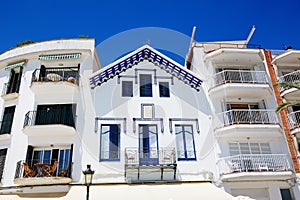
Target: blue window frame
[109,142]
[185,142]
[127,89]
[145,85]
[164,90]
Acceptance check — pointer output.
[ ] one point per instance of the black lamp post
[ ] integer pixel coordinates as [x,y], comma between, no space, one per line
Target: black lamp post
[88,177]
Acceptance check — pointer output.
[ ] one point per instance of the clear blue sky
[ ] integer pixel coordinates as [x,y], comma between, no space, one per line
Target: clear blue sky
[277,22]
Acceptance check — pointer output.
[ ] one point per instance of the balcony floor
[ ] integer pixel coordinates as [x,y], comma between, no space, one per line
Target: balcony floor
[43,180]
[251,176]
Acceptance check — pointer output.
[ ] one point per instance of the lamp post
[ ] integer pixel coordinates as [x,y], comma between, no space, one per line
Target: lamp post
[88,177]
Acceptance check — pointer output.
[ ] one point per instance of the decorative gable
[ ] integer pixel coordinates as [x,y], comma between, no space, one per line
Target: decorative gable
[153,56]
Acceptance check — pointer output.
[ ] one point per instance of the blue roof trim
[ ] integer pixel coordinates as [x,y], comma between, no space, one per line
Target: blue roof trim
[146,54]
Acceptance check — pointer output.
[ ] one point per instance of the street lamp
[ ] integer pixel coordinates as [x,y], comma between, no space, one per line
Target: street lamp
[88,177]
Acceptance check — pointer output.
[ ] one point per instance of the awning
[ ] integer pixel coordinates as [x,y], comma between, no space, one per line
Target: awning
[167,191]
[11,66]
[60,56]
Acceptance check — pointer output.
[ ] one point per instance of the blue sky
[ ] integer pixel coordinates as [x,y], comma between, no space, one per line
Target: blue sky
[277,22]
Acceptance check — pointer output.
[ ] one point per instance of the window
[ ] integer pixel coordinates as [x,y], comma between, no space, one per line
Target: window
[286,194]
[3,153]
[7,120]
[14,80]
[145,85]
[48,155]
[164,90]
[56,114]
[185,142]
[109,142]
[236,148]
[127,89]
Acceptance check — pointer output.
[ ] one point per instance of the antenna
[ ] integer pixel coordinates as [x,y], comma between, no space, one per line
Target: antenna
[250,34]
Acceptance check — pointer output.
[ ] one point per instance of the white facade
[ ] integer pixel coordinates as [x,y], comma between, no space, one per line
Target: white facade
[144,123]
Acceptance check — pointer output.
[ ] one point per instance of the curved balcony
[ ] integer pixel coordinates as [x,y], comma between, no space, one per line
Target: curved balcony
[55,80]
[290,93]
[294,122]
[247,122]
[240,83]
[56,122]
[150,165]
[33,173]
[255,167]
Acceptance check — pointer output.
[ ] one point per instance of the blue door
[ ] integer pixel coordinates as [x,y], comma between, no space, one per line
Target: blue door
[148,146]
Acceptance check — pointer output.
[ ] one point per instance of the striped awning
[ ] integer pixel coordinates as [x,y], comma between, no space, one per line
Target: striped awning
[14,65]
[60,56]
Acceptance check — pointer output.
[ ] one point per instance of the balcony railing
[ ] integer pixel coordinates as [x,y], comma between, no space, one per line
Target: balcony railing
[46,117]
[290,77]
[254,163]
[33,169]
[56,74]
[240,76]
[294,120]
[162,156]
[245,116]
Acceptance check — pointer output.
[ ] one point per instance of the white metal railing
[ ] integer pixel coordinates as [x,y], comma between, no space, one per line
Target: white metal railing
[290,77]
[294,119]
[161,156]
[245,116]
[253,163]
[240,76]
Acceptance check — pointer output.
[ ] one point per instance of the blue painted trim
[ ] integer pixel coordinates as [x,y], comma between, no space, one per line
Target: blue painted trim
[148,120]
[109,119]
[146,54]
[185,120]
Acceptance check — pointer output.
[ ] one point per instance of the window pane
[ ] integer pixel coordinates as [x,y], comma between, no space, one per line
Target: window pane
[47,156]
[179,142]
[185,142]
[127,88]
[145,85]
[285,194]
[110,138]
[254,148]
[244,148]
[164,89]
[234,149]
[265,148]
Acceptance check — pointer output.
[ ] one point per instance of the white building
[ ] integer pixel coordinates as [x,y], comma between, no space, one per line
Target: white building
[149,127]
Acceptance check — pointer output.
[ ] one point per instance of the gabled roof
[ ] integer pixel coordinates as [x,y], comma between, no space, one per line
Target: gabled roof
[145,53]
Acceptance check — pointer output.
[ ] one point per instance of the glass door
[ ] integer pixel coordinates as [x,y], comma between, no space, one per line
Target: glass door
[148,145]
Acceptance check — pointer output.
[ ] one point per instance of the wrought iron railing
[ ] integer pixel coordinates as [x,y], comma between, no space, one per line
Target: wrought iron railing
[294,120]
[253,163]
[290,78]
[161,156]
[45,117]
[30,169]
[56,74]
[245,116]
[240,76]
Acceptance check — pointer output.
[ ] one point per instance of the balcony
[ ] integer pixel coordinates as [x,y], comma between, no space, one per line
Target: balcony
[240,83]
[247,122]
[290,93]
[294,122]
[230,53]
[34,173]
[150,165]
[55,80]
[255,167]
[9,93]
[57,122]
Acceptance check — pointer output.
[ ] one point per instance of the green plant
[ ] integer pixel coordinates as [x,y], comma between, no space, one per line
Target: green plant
[26,42]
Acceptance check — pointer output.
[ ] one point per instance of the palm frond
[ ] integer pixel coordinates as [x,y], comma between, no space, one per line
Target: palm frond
[294,84]
[287,104]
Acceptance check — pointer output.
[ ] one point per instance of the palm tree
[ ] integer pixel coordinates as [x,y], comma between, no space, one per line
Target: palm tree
[288,85]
